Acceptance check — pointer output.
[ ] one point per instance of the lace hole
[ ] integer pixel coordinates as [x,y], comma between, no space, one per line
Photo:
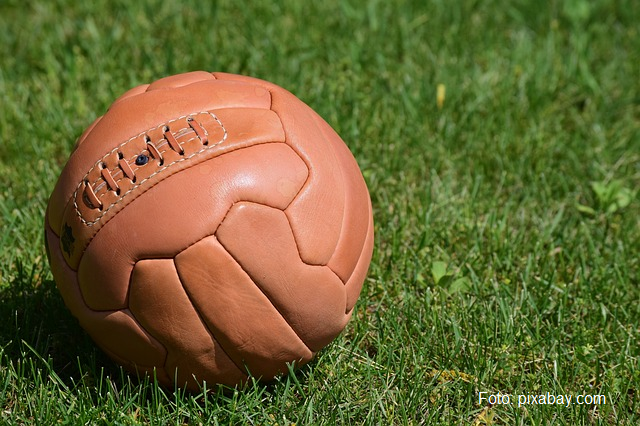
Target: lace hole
[142,159]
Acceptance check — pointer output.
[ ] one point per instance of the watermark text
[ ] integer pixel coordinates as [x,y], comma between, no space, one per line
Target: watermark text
[546,398]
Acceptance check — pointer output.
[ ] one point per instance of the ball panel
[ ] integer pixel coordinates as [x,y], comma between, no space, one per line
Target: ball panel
[122,335]
[86,132]
[138,369]
[242,319]
[85,217]
[116,331]
[358,215]
[132,92]
[310,298]
[249,126]
[181,210]
[356,279]
[180,80]
[158,301]
[314,228]
[124,120]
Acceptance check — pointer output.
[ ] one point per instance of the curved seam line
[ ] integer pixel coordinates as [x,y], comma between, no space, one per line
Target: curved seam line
[296,242]
[304,160]
[157,183]
[166,351]
[163,168]
[364,243]
[334,273]
[126,307]
[235,260]
[256,283]
[306,183]
[370,233]
[84,301]
[344,184]
[268,298]
[189,297]
[204,324]
[145,91]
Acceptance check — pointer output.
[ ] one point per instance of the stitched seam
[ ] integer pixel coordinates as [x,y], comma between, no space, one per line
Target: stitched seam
[121,178]
[156,183]
[304,186]
[206,147]
[331,148]
[148,333]
[118,173]
[204,323]
[255,282]
[306,182]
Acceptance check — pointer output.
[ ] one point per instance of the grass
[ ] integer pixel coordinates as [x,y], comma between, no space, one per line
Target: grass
[507,218]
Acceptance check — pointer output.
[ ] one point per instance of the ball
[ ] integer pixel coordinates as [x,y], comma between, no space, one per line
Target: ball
[210,227]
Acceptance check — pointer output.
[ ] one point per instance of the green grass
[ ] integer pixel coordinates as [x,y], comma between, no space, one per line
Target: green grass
[507,221]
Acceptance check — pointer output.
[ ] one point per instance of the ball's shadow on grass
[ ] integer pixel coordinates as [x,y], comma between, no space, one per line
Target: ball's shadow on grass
[37,327]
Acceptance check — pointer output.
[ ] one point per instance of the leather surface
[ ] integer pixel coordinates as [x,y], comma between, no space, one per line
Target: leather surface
[207,226]
[156,289]
[266,230]
[252,330]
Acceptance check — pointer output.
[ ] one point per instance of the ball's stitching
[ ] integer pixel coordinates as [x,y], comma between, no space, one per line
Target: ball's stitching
[121,178]
[205,147]
[159,145]
[135,137]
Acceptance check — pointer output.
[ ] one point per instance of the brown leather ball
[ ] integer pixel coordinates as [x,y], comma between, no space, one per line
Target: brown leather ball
[209,226]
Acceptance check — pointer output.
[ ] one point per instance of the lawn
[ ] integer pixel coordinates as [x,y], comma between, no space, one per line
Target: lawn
[501,145]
